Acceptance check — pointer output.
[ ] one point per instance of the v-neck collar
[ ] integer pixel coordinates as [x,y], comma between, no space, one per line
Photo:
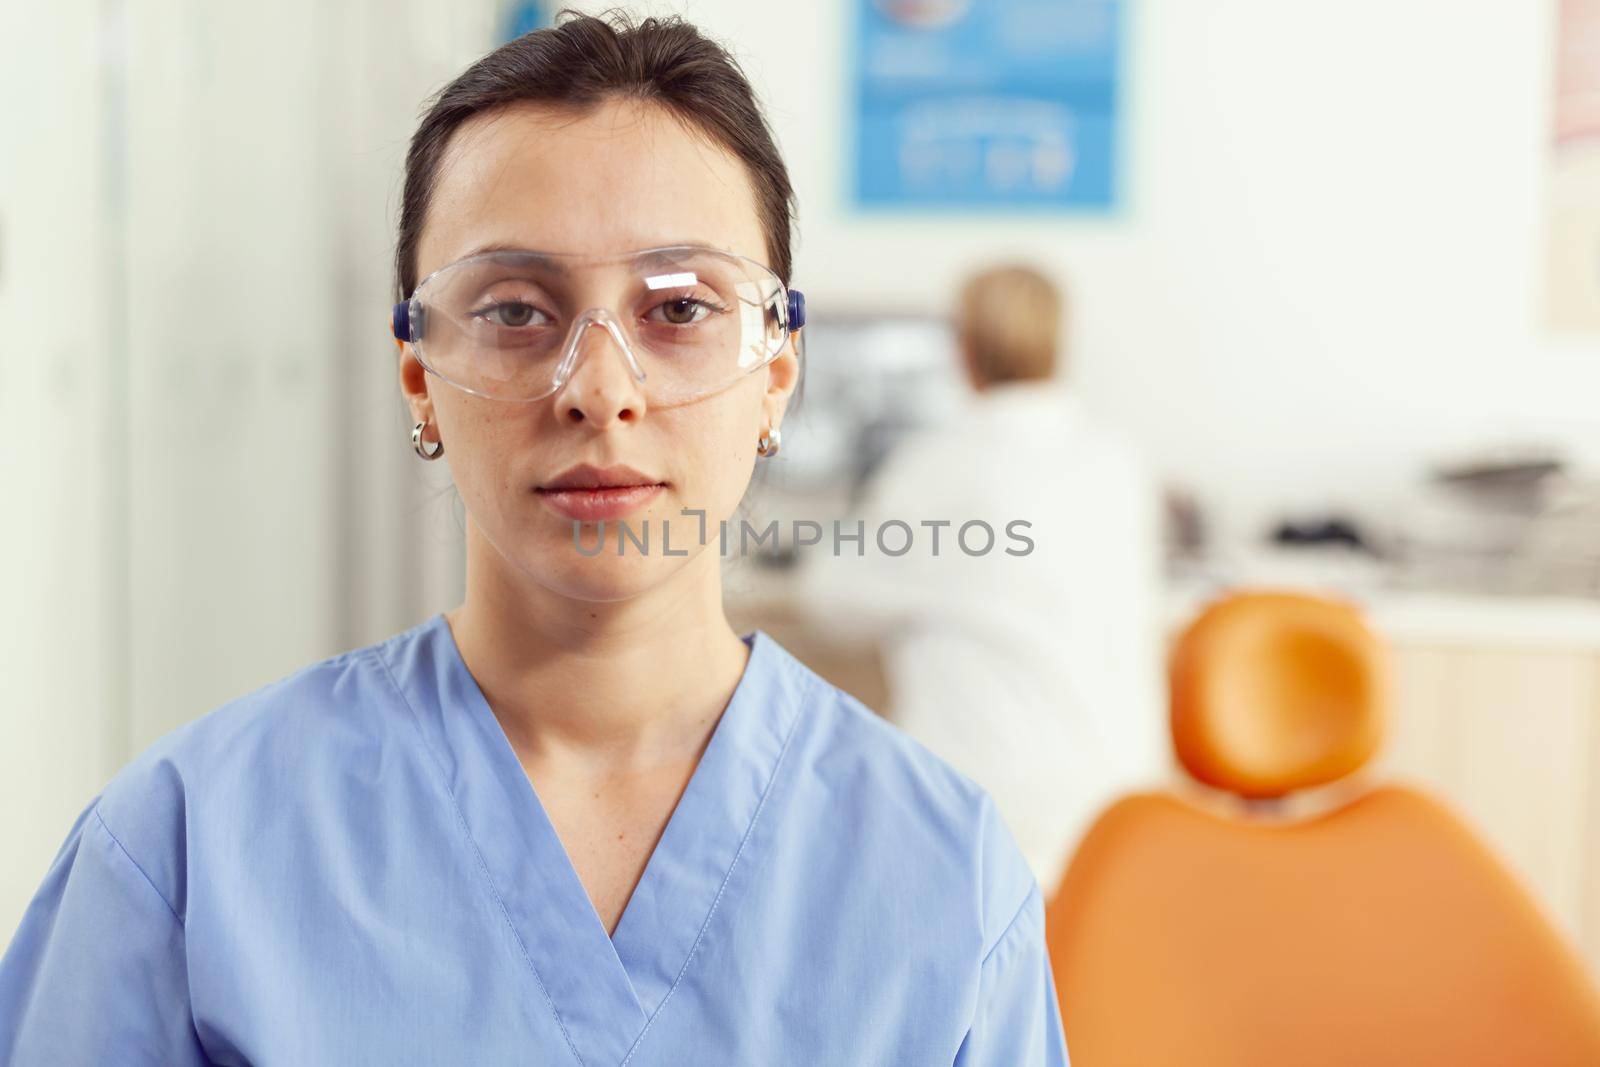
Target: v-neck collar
[603,989]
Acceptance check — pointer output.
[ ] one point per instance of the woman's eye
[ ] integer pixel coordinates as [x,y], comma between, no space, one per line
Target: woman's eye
[512,313]
[684,311]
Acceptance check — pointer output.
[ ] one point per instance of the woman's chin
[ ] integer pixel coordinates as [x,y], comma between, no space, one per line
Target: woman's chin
[605,577]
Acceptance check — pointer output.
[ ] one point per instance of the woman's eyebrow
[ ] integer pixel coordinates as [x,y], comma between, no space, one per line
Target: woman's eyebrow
[674,255]
[544,259]
[656,257]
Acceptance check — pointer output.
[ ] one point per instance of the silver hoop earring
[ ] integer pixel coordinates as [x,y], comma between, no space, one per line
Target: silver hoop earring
[422,449]
[767,444]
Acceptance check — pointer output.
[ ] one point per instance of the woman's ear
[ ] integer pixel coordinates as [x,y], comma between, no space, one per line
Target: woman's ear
[414,384]
[783,375]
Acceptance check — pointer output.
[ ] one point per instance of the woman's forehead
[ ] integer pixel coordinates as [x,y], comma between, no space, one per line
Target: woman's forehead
[618,177]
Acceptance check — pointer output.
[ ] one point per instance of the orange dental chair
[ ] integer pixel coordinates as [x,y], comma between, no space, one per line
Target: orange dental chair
[1373,929]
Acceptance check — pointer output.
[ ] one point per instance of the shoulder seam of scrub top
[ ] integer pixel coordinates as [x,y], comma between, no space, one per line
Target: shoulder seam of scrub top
[807,683]
[988,804]
[483,866]
[124,850]
[1024,912]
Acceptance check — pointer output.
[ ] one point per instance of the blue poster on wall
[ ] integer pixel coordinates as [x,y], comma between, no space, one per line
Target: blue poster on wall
[984,105]
[518,17]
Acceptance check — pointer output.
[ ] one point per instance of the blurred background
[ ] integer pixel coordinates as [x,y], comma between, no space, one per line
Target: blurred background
[1329,274]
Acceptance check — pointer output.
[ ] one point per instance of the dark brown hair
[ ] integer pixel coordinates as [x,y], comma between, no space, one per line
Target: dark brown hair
[579,63]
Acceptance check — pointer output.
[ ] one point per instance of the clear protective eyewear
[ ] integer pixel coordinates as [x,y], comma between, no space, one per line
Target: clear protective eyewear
[687,320]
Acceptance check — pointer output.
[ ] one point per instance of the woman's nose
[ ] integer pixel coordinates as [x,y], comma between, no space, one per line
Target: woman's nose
[604,386]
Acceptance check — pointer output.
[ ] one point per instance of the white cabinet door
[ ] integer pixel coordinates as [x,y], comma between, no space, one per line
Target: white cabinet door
[1511,738]
[61,721]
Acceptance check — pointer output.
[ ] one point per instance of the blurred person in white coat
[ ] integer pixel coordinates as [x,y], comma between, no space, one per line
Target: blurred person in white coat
[1027,657]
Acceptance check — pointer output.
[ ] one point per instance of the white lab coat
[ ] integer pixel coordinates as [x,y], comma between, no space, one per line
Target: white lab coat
[1037,675]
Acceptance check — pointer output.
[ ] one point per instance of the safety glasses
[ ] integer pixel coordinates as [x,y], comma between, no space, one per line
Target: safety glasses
[687,321]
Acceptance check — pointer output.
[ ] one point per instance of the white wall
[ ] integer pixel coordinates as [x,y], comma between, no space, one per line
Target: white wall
[1327,268]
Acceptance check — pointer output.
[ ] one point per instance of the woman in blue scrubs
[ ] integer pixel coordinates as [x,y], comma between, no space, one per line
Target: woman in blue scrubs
[577,819]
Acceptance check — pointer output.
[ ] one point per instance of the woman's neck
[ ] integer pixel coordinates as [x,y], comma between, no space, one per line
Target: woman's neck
[617,685]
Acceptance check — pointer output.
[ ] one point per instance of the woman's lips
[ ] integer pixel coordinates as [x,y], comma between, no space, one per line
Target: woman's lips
[600,504]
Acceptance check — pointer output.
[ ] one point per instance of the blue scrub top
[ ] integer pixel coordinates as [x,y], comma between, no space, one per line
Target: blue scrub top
[351,866]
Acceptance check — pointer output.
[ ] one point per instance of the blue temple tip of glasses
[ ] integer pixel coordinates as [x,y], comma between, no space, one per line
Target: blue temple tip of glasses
[402,321]
[797,309]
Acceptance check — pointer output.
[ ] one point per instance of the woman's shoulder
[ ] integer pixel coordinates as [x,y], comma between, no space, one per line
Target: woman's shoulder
[250,749]
[912,811]
[319,697]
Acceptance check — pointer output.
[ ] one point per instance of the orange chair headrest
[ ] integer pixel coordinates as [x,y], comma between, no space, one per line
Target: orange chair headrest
[1276,691]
